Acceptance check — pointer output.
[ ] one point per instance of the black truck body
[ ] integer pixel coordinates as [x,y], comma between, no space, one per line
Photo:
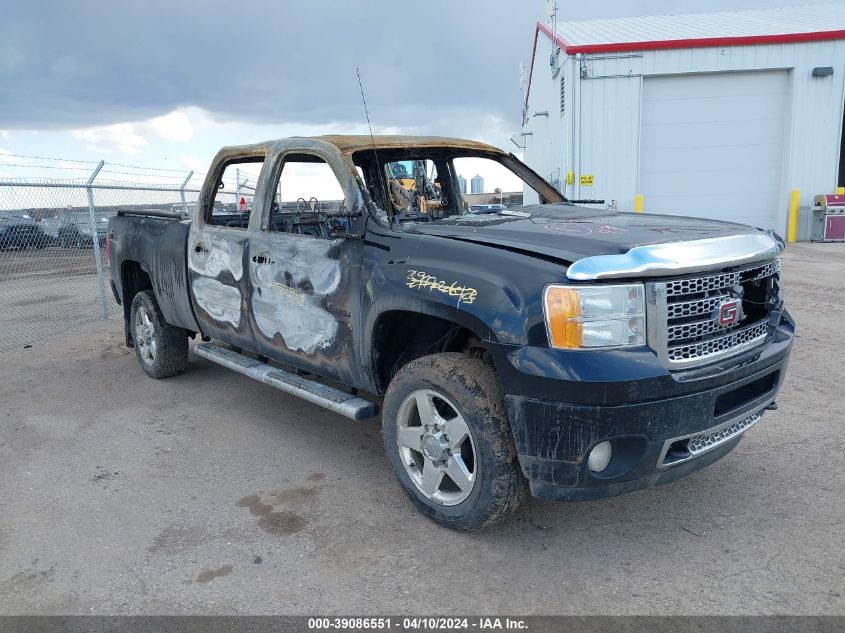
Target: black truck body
[371,294]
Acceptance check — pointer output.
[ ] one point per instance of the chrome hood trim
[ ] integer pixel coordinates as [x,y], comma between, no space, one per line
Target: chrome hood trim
[677,258]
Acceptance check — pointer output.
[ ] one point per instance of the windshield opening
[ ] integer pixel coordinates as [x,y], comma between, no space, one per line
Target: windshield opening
[442,184]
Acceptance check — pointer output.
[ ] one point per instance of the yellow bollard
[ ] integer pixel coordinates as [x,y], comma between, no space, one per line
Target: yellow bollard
[840,191]
[792,221]
[638,203]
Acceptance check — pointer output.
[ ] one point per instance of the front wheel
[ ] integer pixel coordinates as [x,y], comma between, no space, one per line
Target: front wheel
[449,442]
[161,348]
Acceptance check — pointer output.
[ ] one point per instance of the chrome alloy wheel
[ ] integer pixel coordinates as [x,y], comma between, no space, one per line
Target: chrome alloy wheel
[145,336]
[436,447]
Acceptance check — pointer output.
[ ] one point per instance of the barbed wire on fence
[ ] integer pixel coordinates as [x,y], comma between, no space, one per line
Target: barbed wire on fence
[139,172]
[93,162]
[191,177]
[64,160]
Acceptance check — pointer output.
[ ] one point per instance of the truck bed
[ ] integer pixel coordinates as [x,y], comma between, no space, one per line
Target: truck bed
[157,245]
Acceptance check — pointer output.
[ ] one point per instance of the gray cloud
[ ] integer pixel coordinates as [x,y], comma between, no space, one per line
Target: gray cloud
[424,64]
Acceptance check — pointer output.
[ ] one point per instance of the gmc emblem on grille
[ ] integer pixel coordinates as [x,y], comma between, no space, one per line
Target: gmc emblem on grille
[728,312]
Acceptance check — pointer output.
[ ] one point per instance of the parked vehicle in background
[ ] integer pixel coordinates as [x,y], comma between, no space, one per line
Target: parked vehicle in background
[50,226]
[75,229]
[185,210]
[226,216]
[481,209]
[22,232]
[571,352]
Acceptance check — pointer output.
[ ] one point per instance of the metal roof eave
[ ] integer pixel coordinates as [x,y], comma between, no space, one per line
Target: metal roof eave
[666,44]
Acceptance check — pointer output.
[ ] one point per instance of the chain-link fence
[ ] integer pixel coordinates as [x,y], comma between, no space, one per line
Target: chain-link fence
[54,272]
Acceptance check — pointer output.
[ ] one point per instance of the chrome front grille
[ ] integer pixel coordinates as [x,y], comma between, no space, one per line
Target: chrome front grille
[685,326]
[681,449]
[696,307]
[701,284]
[720,280]
[770,269]
[741,339]
[695,329]
[701,443]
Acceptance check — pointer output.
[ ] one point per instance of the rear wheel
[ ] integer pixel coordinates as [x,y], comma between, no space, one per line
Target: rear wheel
[161,348]
[449,441]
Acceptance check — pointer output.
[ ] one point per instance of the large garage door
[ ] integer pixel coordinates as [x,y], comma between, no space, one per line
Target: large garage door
[712,145]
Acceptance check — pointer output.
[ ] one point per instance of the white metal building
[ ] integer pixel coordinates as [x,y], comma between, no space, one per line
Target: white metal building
[714,115]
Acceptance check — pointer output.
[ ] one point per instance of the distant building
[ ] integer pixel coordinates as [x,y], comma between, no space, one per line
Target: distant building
[462,184]
[713,115]
[508,198]
[477,184]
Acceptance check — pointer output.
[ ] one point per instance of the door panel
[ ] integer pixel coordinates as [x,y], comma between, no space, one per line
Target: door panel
[834,227]
[304,294]
[219,249]
[304,284]
[216,262]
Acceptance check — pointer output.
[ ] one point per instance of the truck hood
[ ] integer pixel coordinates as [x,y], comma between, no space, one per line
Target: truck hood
[569,233]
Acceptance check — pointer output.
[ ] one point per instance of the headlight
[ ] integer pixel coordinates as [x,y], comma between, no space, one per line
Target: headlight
[590,317]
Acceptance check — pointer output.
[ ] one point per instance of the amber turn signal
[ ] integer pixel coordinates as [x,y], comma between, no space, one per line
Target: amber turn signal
[562,309]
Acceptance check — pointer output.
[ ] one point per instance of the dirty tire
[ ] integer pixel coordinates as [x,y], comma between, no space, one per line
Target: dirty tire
[473,387]
[171,353]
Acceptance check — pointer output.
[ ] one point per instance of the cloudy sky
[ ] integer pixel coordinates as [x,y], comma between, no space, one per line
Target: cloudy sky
[165,84]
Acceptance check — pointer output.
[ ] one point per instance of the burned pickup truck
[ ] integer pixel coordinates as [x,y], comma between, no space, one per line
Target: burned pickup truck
[546,348]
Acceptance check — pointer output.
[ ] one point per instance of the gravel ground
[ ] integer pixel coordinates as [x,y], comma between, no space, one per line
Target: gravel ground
[211,493]
[47,263]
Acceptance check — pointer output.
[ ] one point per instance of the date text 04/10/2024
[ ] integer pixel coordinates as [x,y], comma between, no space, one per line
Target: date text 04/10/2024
[416,623]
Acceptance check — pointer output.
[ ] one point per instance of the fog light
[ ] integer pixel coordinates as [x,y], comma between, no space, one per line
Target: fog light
[599,457]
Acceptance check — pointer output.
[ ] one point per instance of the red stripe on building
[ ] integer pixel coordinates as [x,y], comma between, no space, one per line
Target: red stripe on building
[703,42]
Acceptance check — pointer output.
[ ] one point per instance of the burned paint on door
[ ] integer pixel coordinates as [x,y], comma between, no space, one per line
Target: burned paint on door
[221,302]
[222,254]
[289,292]
[216,263]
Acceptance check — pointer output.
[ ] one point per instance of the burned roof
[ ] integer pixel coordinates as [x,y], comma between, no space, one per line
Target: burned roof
[354,143]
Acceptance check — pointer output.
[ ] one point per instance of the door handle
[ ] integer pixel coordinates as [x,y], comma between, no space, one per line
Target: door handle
[200,248]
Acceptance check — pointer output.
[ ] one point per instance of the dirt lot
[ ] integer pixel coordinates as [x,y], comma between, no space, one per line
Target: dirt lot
[47,263]
[211,493]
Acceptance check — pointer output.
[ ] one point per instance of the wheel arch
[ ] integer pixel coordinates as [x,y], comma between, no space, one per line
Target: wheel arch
[133,279]
[399,335]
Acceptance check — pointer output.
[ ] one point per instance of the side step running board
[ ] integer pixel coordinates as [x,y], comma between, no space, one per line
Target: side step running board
[314,392]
